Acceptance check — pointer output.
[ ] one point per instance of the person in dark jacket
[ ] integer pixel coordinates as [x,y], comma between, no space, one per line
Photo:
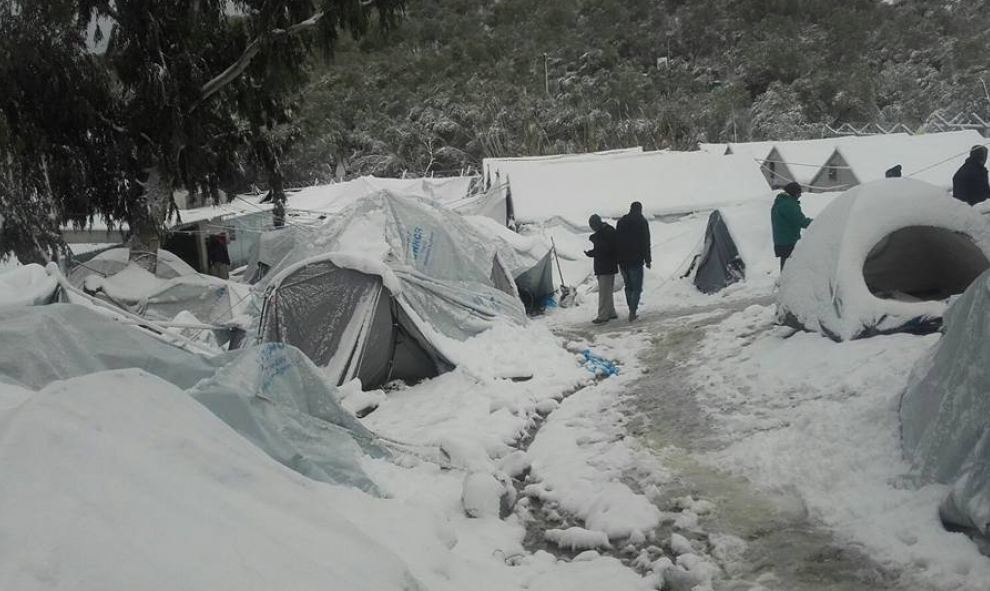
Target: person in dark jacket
[603,251]
[632,250]
[970,182]
[787,221]
[217,256]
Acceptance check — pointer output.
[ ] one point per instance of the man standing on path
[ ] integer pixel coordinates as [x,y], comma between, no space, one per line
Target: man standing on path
[632,249]
[603,251]
[787,221]
[970,183]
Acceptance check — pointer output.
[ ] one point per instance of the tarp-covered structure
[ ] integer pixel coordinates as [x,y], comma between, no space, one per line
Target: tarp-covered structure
[719,264]
[209,299]
[883,257]
[113,261]
[665,183]
[382,290]
[271,394]
[945,412]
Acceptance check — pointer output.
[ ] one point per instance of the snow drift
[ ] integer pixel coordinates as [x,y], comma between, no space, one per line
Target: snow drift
[883,257]
[945,411]
[117,480]
[272,394]
[29,285]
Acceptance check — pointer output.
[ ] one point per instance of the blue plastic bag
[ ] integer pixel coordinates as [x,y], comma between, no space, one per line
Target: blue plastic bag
[598,365]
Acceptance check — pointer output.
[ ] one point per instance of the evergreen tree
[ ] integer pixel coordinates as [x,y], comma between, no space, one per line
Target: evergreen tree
[181,89]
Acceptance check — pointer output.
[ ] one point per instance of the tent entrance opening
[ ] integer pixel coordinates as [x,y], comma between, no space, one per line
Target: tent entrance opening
[923,263]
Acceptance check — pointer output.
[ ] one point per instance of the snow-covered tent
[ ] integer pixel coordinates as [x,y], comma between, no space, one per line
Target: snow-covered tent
[207,298]
[384,288]
[271,394]
[945,412]
[29,285]
[335,197]
[803,161]
[719,264]
[883,257]
[714,149]
[665,183]
[113,261]
[268,251]
[932,158]
[498,170]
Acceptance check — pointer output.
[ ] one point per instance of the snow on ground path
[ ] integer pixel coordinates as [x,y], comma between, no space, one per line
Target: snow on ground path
[763,536]
[817,420]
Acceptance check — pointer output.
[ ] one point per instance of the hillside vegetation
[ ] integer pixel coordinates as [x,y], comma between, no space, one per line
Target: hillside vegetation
[465,79]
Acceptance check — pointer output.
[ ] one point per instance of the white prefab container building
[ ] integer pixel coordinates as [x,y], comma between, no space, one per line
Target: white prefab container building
[932,158]
[664,182]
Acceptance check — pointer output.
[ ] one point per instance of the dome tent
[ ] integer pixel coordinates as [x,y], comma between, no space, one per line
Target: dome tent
[384,289]
[945,412]
[883,257]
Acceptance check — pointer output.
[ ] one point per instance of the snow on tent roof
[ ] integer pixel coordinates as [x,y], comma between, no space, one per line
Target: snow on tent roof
[336,196]
[271,394]
[716,149]
[665,183]
[932,157]
[113,261]
[505,167]
[436,266]
[883,257]
[945,411]
[805,158]
[753,150]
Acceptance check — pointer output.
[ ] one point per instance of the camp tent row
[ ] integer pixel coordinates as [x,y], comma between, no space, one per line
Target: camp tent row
[839,163]
[666,183]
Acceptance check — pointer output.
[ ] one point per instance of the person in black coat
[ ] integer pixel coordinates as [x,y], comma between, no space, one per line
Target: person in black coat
[970,182]
[603,251]
[632,250]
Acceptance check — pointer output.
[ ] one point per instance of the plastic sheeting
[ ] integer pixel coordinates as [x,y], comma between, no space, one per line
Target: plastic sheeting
[536,283]
[443,263]
[114,260]
[271,394]
[719,264]
[945,411]
[275,397]
[268,251]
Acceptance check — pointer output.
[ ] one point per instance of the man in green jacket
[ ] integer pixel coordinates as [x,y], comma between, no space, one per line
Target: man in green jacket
[787,220]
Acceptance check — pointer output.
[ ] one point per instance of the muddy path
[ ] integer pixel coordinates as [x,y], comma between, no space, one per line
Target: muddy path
[784,549]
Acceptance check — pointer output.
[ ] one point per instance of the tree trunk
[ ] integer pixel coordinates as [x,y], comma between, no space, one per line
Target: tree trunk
[147,218]
[276,188]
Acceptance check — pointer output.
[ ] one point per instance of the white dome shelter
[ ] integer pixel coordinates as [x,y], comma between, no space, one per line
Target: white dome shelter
[883,257]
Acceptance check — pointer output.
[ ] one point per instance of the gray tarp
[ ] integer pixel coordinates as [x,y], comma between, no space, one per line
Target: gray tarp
[446,284]
[719,264]
[536,283]
[272,395]
[945,411]
[349,323]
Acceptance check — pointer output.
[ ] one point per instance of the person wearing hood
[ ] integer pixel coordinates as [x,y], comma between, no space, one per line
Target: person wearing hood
[633,250]
[970,182]
[787,221]
[603,252]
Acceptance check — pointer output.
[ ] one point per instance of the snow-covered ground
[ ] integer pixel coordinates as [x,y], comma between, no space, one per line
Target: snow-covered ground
[727,454]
